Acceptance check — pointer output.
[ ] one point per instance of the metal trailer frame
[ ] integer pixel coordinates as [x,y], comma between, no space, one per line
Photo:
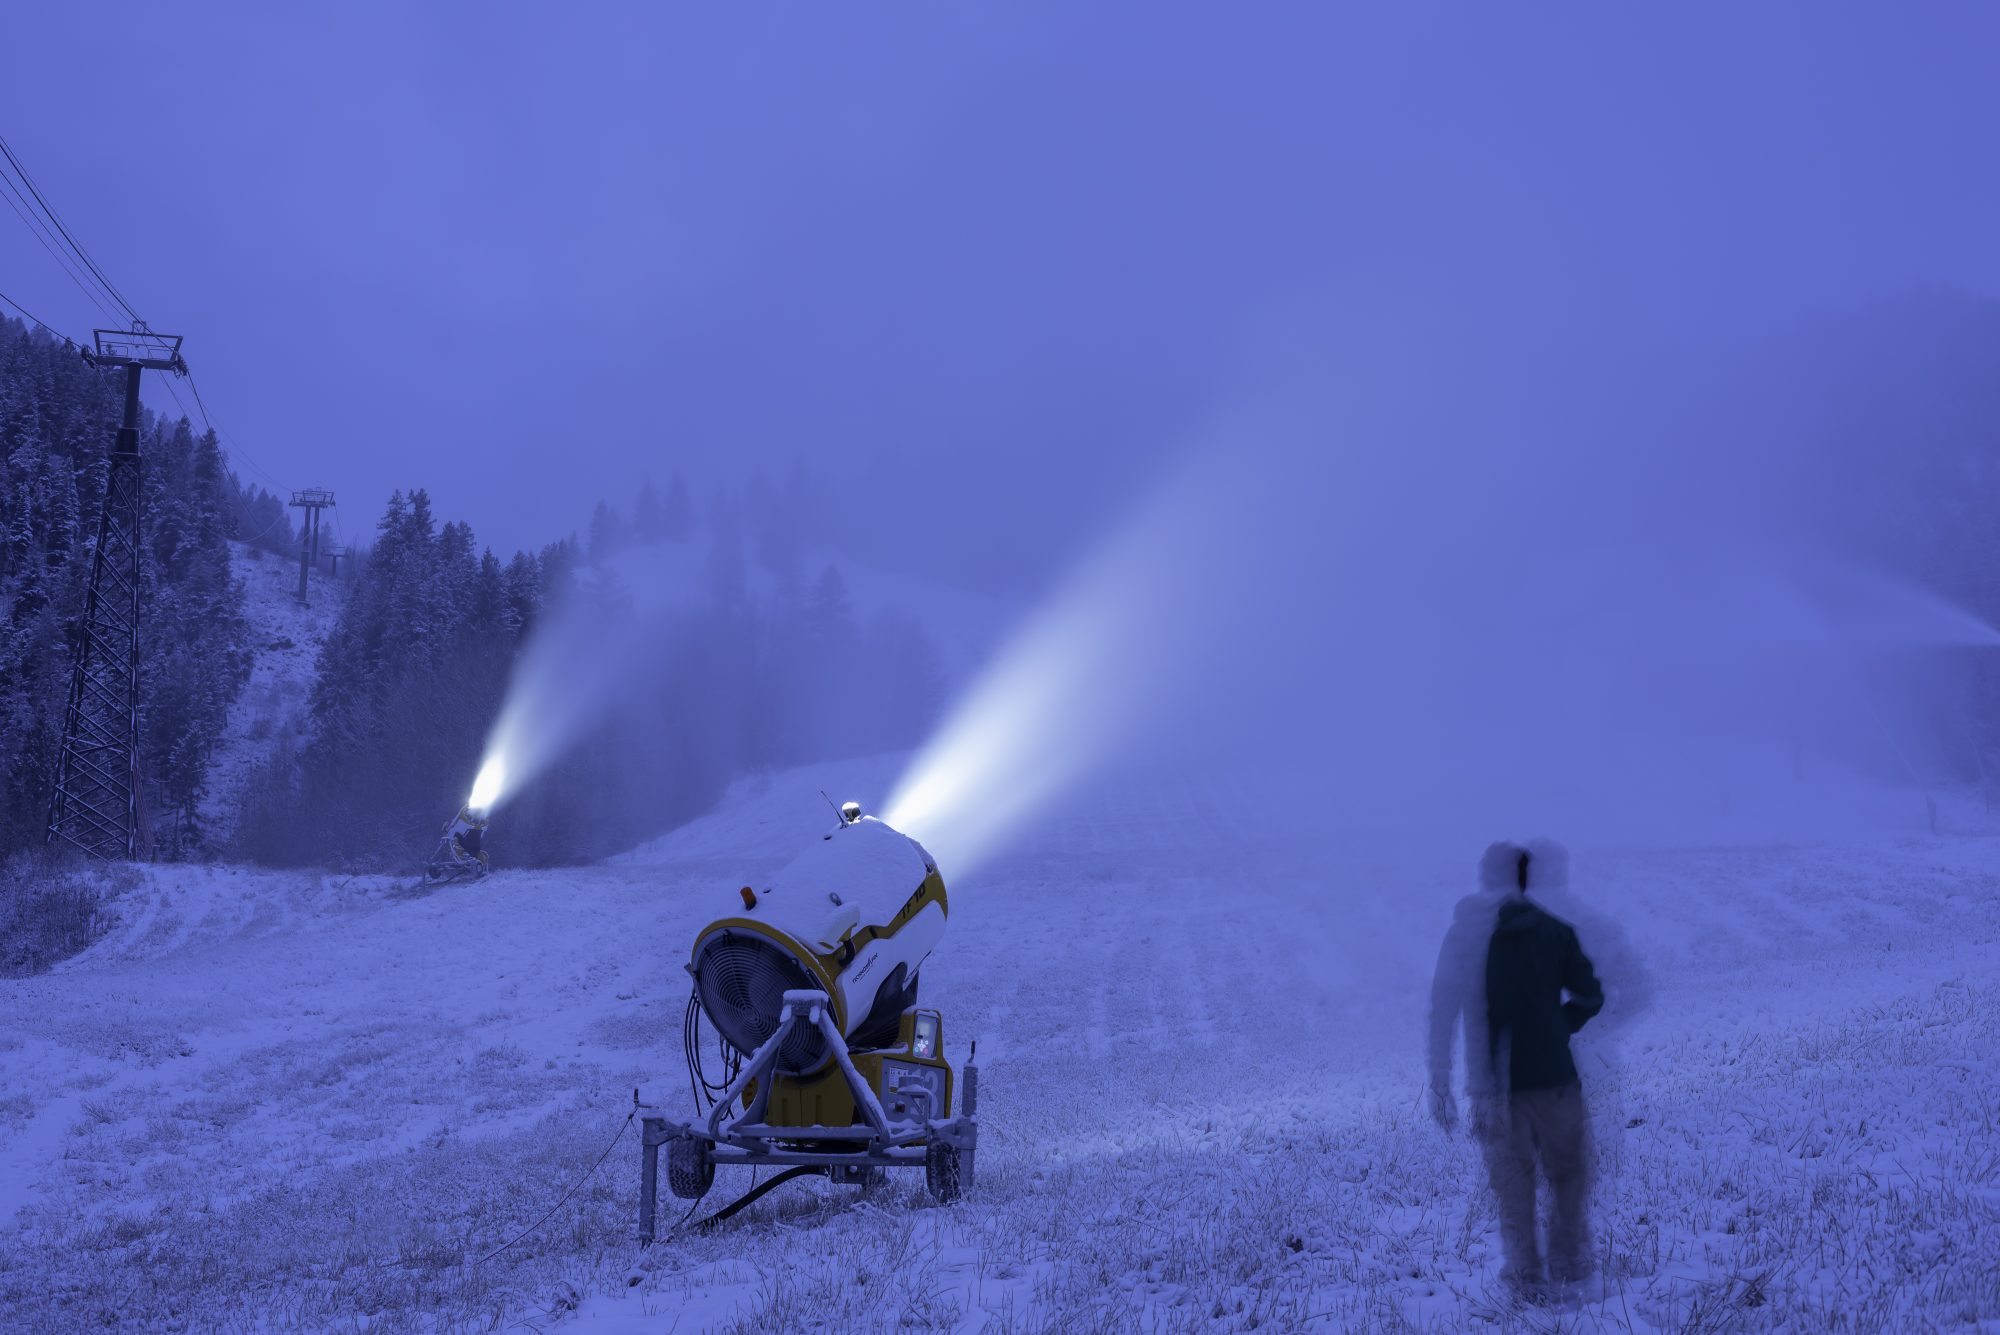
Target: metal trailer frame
[722,1137]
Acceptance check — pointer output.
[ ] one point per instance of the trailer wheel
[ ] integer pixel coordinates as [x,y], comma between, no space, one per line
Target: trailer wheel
[690,1172]
[941,1171]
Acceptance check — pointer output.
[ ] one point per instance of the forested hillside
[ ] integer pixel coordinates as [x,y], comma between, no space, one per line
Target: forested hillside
[57,419]
[768,659]
[756,666]
[767,662]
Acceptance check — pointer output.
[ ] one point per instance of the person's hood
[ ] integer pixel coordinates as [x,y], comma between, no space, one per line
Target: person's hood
[1517,914]
[1500,867]
[1481,905]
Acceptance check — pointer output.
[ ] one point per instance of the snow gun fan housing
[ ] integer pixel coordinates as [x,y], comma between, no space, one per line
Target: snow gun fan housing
[854,916]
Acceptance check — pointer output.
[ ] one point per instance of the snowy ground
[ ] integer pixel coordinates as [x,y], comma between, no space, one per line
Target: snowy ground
[285,637]
[271,1101]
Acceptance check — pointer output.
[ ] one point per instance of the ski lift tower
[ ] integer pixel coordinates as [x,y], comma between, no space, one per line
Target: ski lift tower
[95,805]
[312,500]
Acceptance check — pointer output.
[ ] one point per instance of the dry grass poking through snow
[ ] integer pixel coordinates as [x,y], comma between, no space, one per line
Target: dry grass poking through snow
[51,907]
[1836,1177]
[313,1105]
[380,1244]
[1839,1177]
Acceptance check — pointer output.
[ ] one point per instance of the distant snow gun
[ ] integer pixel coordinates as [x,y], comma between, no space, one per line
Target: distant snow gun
[827,1064]
[461,851]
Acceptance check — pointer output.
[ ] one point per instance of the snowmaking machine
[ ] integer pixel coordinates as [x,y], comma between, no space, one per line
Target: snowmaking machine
[461,853]
[827,1064]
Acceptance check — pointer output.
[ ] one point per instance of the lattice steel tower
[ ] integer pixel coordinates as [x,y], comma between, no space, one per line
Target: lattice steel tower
[95,805]
[312,500]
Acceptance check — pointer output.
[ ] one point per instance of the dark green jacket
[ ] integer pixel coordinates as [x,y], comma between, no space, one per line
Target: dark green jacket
[1532,960]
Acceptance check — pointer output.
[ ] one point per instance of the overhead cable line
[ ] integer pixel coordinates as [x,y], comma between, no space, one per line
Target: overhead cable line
[32,319]
[206,420]
[281,519]
[40,231]
[56,218]
[186,416]
[56,239]
[29,215]
[209,422]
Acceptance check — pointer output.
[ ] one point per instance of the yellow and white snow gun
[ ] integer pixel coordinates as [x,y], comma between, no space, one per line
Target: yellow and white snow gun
[828,1065]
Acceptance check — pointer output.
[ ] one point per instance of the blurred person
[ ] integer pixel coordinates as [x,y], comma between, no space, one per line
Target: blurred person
[1458,994]
[1502,975]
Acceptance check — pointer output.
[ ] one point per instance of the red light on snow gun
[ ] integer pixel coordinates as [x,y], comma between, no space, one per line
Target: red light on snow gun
[749,898]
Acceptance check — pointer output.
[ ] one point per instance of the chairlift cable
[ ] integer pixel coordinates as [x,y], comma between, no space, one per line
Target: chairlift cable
[266,529]
[236,453]
[42,235]
[186,416]
[189,416]
[35,189]
[54,242]
[30,316]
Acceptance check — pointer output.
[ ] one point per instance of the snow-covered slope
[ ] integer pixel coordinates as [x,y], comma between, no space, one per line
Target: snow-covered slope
[290,1101]
[285,637]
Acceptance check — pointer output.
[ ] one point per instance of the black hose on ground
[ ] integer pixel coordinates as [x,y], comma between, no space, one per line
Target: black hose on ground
[751,1195]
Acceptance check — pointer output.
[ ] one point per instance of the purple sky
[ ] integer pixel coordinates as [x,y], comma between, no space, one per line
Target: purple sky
[523,255]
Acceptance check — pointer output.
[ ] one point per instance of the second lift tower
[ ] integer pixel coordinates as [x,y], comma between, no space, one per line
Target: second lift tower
[312,500]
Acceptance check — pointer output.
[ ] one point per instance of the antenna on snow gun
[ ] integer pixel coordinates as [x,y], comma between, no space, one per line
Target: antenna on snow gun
[849,812]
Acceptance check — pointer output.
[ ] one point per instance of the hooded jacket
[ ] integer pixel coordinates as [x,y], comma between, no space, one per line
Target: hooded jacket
[1532,960]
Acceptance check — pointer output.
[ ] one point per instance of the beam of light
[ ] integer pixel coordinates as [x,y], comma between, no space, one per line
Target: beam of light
[568,679]
[1371,638]
[1072,686]
[492,782]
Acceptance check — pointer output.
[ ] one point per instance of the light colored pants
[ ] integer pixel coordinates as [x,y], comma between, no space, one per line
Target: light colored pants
[1550,1122]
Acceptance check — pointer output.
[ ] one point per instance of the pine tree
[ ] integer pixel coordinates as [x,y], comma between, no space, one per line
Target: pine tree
[491,610]
[775,524]
[832,667]
[558,564]
[677,516]
[262,520]
[607,533]
[524,593]
[649,524]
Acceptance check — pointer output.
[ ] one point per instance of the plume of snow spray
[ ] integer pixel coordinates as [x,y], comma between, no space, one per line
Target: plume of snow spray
[1376,638]
[1074,683]
[566,681]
